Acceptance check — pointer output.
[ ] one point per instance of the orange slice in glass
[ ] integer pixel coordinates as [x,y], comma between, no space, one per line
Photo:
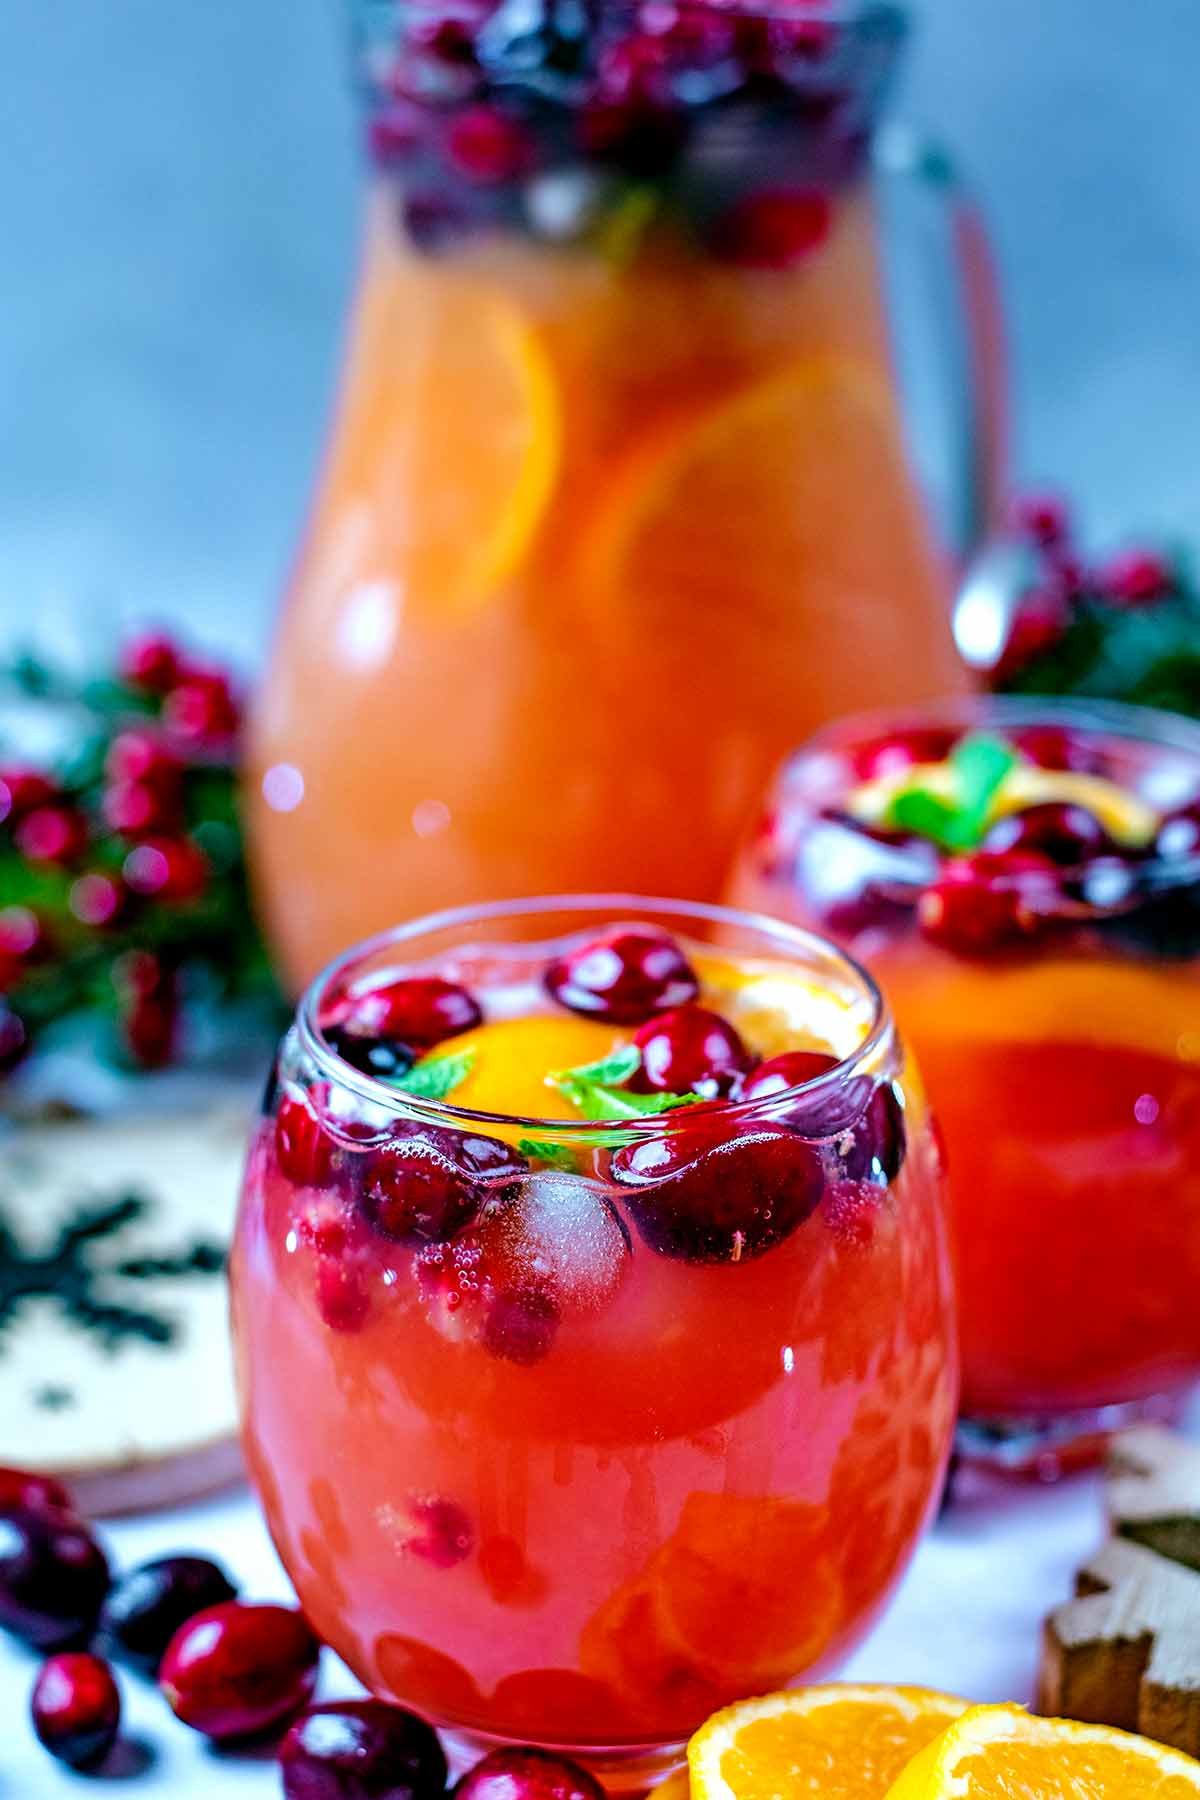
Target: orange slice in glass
[1002,1753]
[843,1741]
[511,1058]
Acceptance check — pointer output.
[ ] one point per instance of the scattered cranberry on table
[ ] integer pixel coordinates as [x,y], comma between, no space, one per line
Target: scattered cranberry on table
[237,1670]
[76,1709]
[53,1577]
[23,1490]
[361,1750]
[528,1774]
[146,1607]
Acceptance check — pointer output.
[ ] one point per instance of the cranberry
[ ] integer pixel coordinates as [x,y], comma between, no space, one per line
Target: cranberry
[521,1324]
[149,997]
[788,1070]
[234,1671]
[1041,518]
[713,1195]
[487,146]
[202,709]
[76,1709]
[361,1750]
[146,1607]
[420,1010]
[690,1051]
[873,1150]
[23,1491]
[821,1114]
[774,229]
[444,1536]
[625,974]
[520,1774]
[303,1148]
[14,1038]
[167,868]
[1054,747]
[53,1578]
[984,902]
[902,750]
[51,834]
[21,790]
[1137,578]
[427,1183]
[381,1057]
[151,662]
[1066,834]
[1179,834]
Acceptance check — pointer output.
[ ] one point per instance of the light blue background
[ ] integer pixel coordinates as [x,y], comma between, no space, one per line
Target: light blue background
[177,199]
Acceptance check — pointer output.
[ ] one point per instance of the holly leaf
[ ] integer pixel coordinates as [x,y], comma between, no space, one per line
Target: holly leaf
[436,1076]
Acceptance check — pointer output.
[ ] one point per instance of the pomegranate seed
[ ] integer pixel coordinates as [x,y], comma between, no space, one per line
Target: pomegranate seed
[427,1183]
[902,750]
[983,902]
[151,662]
[521,1324]
[51,834]
[202,709]
[21,790]
[421,1010]
[167,868]
[719,1196]
[53,1578]
[96,899]
[361,1750]
[1137,578]
[690,1050]
[487,146]
[775,229]
[626,974]
[23,1491]
[76,1709]
[1179,834]
[14,1038]
[235,1671]
[445,1536]
[1066,834]
[303,1148]
[1041,518]
[527,1774]
[146,1607]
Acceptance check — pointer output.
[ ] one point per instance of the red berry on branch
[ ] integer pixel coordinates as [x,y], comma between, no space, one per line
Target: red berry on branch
[202,709]
[151,662]
[96,899]
[1039,623]
[21,790]
[1042,519]
[54,834]
[135,807]
[167,868]
[1137,578]
[140,754]
[148,990]
[22,934]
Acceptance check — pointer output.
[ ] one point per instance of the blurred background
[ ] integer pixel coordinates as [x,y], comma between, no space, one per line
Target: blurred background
[178,195]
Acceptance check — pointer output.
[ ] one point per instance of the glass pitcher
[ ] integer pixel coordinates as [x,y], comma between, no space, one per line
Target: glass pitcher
[618,505]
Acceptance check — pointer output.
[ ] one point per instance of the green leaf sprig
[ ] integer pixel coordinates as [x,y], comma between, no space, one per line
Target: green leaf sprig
[436,1076]
[979,764]
[598,1089]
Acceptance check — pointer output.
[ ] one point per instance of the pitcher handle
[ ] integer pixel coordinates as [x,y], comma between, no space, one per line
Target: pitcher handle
[975,363]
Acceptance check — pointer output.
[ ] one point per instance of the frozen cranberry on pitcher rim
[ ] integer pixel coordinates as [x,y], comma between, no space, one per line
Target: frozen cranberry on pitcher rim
[669,1305]
[1041,946]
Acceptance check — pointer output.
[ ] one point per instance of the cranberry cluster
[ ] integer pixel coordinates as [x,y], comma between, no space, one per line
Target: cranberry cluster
[125,862]
[1048,869]
[236,1672]
[547,115]
[486,1221]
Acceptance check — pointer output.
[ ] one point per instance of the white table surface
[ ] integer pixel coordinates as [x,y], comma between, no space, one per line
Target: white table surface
[966,1619]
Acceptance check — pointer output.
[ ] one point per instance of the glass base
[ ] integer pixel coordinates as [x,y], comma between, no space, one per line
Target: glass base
[626,1772]
[1045,1449]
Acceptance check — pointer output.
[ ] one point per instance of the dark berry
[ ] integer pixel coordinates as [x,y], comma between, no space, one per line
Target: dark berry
[1179,835]
[23,1491]
[1043,519]
[151,662]
[775,229]
[690,1050]
[1066,834]
[427,1183]
[234,1671]
[361,1750]
[52,834]
[822,1113]
[718,1196]
[379,1056]
[146,1607]
[519,1774]
[14,1038]
[901,750]
[986,902]
[303,1148]
[76,1709]
[421,1010]
[626,974]
[1137,578]
[521,1324]
[444,1535]
[21,790]
[167,868]
[873,1148]
[53,1578]
[488,147]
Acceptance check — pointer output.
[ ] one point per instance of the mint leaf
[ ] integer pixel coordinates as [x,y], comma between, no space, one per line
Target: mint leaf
[916,809]
[979,764]
[555,1156]
[595,1101]
[611,1071]
[436,1077]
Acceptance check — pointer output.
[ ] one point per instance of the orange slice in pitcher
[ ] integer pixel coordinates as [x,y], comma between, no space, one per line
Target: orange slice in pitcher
[844,1741]
[451,436]
[1002,1753]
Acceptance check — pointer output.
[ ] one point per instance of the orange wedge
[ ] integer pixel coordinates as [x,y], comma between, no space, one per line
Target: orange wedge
[510,1059]
[1002,1753]
[843,1741]
[450,437]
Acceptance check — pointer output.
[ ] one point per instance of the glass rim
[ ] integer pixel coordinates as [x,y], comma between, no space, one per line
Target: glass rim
[1144,724]
[878,1033]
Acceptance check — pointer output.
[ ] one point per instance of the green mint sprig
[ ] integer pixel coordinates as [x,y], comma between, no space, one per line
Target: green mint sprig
[436,1076]
[553,1156]
[979,764]
[598,1090]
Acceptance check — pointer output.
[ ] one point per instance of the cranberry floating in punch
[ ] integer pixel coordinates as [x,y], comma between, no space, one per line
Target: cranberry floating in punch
[632,1299]
[618,392]
[1027,889]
